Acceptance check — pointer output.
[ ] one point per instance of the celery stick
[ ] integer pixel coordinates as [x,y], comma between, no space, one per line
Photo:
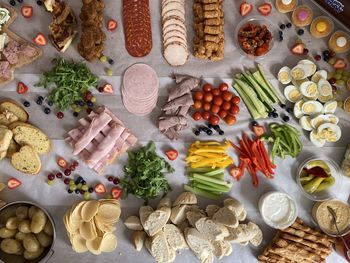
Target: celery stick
[214,172]
[219,176]
[249,104]
[199,170]
[212,180]
[212,185]
[262,95]
[193,179]
[210,188]
[201,192]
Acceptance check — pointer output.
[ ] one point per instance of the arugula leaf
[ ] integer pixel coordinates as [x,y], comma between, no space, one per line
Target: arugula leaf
[70,81]
[144,173]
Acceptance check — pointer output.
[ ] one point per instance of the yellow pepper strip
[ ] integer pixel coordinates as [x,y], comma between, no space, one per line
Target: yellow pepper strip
[210,155]
[204,162]
[206,143]
[211,150]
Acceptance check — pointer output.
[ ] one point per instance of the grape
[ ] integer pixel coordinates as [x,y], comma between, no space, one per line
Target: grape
[331,61]
[346,73]
[330,74]
[337,76]
[340,82]
[345,78]
[339,71]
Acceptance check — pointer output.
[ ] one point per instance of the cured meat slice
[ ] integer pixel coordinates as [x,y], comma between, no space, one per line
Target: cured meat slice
[176,54]
[137,27]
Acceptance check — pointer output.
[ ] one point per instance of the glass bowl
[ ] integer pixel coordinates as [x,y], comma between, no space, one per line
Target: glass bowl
[328,193]
[258,20]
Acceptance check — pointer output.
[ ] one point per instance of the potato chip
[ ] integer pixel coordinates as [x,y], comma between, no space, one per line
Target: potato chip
[89,210]
[76,212]
[94,245]
[78,244]
[108,243]
[87,230]
[108,212]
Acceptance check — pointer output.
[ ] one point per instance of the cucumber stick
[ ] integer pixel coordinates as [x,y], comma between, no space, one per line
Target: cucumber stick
[247,101]
[257,76]
[262,95]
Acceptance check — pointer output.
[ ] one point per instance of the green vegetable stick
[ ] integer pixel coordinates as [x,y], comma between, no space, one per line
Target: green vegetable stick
[203,193]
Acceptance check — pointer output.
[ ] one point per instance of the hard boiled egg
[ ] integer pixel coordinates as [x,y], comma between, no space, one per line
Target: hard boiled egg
[324,99]
[297,109]
[329,132]
[330,107]
[312,107]
[332,118]
[316,140]
[292,93]
[301,71]
[324,88]
[311,64]
[318,121]
[305,123]
[320,74]
[284,75]
[309,90]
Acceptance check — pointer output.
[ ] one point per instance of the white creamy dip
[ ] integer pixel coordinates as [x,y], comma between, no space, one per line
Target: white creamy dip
[4,16]
[278,209]
[286,2]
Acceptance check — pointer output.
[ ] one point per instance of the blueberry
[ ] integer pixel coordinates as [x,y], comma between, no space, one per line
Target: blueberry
[300,32]
[280,33]
[20,1]
[289,25]
[326,59]
[90,104]
[326,53]
[50,103]
[26,104]
[91,190]
[269,114]
[255,123]
[197,132]
[282,26]
[221,132]
[282,105]
[111,61]
[289,110]
[69,191]
[274,110]
[285,118]
[47,111]
[39,3]
[39,102]
[12,2]
[83,182]
[280,38]
[75,114]
[80,179]
[77,191]
[41,98]
[210,126]
[81,103]
[275,115]
[209,132]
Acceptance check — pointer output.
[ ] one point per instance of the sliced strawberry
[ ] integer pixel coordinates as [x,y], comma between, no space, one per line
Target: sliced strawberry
[172,154]
[27,11]
[21,88]
[13,183]
[245,8]
[100,189]
[116,192]
[108,88]
[258,130]
[61,162]
[265,9]
[339,64]
[112,25]
[40,39]
[298,49]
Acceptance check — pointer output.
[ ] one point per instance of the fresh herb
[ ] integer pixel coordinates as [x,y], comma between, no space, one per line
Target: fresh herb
[144,173]
[71,81]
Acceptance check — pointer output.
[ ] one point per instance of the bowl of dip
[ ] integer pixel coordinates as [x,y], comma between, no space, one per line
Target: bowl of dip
[324,219]
[278,209]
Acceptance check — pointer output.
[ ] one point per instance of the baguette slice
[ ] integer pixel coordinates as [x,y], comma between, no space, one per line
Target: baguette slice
[226,217]
[5,140]
[156,220]
[13,148]
[175,237]
[26,134]
[185,198]
[133,223]
[26,161]
[15,108]
[212,230]
[200,245]
[138,239]
[160,249]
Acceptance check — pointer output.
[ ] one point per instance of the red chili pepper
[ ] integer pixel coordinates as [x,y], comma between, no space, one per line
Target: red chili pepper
[172,154]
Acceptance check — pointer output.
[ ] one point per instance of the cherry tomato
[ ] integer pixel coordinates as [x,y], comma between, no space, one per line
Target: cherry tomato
[215,108]
[230,119]
[197,116]
[225,105]
[208,97]
[222,114]
[226,95]
[215,92]
[234,109]
[197,104]
[206,106]
[207,87]
[236,100]
[217,100]
[214,120]
[198,95]
[206,115]
[223,86]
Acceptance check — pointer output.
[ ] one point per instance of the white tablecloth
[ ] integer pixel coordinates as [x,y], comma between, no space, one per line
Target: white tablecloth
[57,200]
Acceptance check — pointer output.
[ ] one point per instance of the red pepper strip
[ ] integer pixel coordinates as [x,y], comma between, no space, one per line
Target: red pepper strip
[265,168]
[253,175]
[247,140]
[239,150]
[245,148]
[259,160]
[243,164]
[266,156]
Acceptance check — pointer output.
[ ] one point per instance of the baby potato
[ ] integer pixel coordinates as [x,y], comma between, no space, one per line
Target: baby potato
[7,233]
[38,221]
[30,243]
[33,255]
[22,212]
[48,229]
[12,223]
[20,236]
[24,226]
[31,211]
[11,246]
[44,239]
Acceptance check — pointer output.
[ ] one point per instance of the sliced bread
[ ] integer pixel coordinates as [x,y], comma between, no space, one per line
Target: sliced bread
[165,201]
[178,214]
[226,217]
[211,210]
[5,140]
[144,213]
[199,244]
[211,229]
[156,220]
[138,238]
[185,198]
[221,248]
[160,249]
[26,134]
[243,233]
[13,148]
[7,117]
[26,160]
[15,108]
[175,237]
[193,216]
[133,223]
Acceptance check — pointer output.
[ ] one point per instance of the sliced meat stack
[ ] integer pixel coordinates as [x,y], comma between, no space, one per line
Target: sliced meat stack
[179,102]
[209,40]
[174,32]
[140,89]
[92,39]
[137,27]
[100,139]
[63,25]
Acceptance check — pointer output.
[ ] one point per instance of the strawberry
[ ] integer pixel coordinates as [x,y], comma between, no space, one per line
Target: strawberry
[116,192]
[13,183]
[339,64]
[172,154]
[112,25]
[108,88]
[40,39]
[27,11]
[61,162]
[298,49]
[21,88]
[100,189]
[265,9]
[245,8]
[258,130]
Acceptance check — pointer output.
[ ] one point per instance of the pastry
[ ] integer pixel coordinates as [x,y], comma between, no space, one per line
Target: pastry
[321,27]
[302,16]
[285,6]
[339,42]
